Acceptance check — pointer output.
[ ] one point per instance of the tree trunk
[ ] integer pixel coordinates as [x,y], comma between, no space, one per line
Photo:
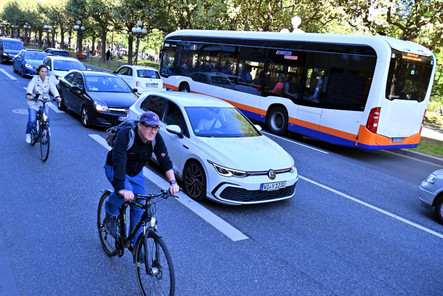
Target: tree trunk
[130,50]
[62,38]
[40,41]
[103,37]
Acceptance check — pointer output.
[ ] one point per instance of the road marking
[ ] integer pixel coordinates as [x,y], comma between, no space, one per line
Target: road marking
[295,142]
[218,223]
[52,106]
[374,208]
[7,74]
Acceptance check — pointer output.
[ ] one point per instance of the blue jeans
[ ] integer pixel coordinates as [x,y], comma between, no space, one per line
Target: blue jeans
[32,118]
[137,185]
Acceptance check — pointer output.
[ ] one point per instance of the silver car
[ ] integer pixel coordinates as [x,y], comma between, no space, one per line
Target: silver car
[431,193]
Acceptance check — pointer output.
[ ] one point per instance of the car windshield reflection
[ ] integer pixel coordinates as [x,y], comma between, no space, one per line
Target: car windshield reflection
[148,74]
[106,84]
[221,122]
[64,65]
[35,55]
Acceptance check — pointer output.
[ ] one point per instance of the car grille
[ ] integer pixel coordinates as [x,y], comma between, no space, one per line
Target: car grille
[118,110]
[243,195]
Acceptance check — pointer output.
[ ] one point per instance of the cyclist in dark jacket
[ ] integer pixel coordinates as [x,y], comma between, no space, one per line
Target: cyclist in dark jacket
[124,168]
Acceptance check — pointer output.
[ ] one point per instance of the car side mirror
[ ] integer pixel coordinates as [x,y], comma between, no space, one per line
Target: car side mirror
[134,90]
[258,127]
[175,129]
[77,89]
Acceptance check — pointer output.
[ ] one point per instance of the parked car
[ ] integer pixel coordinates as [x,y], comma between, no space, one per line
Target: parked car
[431,193]
[100,98]
[57,52]
[60,66]
[141,78]
[9,48]
[217,152]
[27,60]
[214,78]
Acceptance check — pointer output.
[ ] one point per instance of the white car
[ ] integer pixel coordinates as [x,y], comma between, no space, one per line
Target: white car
[141,78]
[59,66]
[217,152]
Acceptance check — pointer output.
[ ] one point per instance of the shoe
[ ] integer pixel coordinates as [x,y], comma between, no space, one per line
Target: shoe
[111,224]
[28,138]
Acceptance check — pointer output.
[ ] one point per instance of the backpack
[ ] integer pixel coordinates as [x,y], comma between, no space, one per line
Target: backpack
[111,133]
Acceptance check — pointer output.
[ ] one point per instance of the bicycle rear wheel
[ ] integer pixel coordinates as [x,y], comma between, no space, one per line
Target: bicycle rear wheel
[155,274]
[44,144]
[107,240]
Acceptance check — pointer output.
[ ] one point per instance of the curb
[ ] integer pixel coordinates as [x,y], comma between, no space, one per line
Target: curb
[421,156]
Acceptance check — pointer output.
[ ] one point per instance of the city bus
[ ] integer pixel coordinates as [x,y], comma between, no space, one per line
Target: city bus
[368,92]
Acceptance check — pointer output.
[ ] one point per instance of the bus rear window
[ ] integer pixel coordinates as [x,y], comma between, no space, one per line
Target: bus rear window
[408,77]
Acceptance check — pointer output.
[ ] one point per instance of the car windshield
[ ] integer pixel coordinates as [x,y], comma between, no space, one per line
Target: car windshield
[60,53]
[15,45]
[35,55]
[107,84]
[148,74]
[66,65]
[221,122]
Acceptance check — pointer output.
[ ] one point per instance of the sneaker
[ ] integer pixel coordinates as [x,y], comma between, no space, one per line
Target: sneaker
[111,224]
[28,138]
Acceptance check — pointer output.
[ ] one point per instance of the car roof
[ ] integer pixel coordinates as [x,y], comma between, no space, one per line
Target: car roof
[55,49]
[185,99]
[61,58]
[136,67]
[11,39]
[96,73]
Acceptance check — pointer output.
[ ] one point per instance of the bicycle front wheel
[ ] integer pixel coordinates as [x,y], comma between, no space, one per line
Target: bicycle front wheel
[107,240]
[155,272]
[34,133]
[44,144]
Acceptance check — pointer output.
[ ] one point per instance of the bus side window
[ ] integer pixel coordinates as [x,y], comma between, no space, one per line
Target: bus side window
[314,86]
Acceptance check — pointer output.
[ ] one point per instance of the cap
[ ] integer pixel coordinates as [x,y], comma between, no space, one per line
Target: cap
[150,118]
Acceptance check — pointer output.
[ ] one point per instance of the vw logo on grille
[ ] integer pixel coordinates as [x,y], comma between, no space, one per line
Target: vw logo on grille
[271,174]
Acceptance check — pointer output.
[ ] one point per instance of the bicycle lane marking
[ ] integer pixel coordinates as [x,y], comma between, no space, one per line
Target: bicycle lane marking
[374,207]
[7,74]
[214,220]
[52,106]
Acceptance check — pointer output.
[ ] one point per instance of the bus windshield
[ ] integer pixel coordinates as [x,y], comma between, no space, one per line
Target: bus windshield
[408,77]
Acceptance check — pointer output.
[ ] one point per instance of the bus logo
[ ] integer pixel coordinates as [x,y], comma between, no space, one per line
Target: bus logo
[282,52]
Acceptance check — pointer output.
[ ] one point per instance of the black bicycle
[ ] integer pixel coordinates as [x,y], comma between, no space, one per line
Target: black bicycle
[40,131]
[155,272]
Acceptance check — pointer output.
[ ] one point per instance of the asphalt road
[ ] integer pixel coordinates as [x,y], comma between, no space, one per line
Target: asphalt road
[355,226]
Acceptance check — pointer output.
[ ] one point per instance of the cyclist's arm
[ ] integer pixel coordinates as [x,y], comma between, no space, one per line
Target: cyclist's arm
[173,188]
[30,89]
[119,159]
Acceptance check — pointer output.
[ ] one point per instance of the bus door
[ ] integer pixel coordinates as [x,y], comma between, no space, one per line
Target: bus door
[310,110]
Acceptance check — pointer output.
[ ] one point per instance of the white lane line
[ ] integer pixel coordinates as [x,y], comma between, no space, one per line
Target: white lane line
[51,105]
[221,225]
[374,208]
[295,142]
[7,74]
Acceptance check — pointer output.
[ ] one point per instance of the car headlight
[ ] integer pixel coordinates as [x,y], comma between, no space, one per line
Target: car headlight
[227,172]
[101,107]
[28,66]
[293,169]
[5,54]
[431,178]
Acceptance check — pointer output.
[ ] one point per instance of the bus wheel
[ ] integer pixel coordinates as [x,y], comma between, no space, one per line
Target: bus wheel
[277,120]
[184,87]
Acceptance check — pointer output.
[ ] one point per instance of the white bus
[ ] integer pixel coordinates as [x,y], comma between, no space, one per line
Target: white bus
[368,92]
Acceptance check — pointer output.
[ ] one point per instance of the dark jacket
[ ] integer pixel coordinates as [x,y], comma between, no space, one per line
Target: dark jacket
[131,162]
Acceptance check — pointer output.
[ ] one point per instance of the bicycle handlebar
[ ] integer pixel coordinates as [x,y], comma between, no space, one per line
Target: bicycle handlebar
[163,194]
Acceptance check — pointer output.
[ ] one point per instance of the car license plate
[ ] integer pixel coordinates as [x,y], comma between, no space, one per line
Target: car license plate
[272,186]
[122,118]
[151,84]
[397,140]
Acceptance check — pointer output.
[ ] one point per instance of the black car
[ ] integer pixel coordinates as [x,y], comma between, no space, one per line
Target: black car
[100,98]
[57,52]
[9,48]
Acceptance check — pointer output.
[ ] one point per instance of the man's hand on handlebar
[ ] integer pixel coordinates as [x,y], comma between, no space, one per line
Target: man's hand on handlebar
[174,188]
[127,194]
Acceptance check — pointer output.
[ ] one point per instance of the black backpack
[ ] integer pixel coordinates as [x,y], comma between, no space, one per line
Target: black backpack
[111,133]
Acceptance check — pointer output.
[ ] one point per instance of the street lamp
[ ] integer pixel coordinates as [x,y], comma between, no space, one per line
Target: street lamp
[79,28]
[12,31]
[138,32]
[26,27]
[48,29]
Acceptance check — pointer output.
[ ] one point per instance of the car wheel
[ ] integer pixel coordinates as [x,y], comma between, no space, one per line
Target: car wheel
[22,73]
[184,87]
[13,68]
[277,120]
[86,117]
[194,179]
[439,208]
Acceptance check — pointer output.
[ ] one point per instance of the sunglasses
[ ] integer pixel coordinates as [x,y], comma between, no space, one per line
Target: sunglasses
[150,127]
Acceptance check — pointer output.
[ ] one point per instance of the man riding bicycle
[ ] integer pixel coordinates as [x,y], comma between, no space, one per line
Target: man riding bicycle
[124,168]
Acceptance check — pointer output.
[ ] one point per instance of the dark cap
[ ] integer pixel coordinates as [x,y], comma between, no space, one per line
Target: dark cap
[150,118]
